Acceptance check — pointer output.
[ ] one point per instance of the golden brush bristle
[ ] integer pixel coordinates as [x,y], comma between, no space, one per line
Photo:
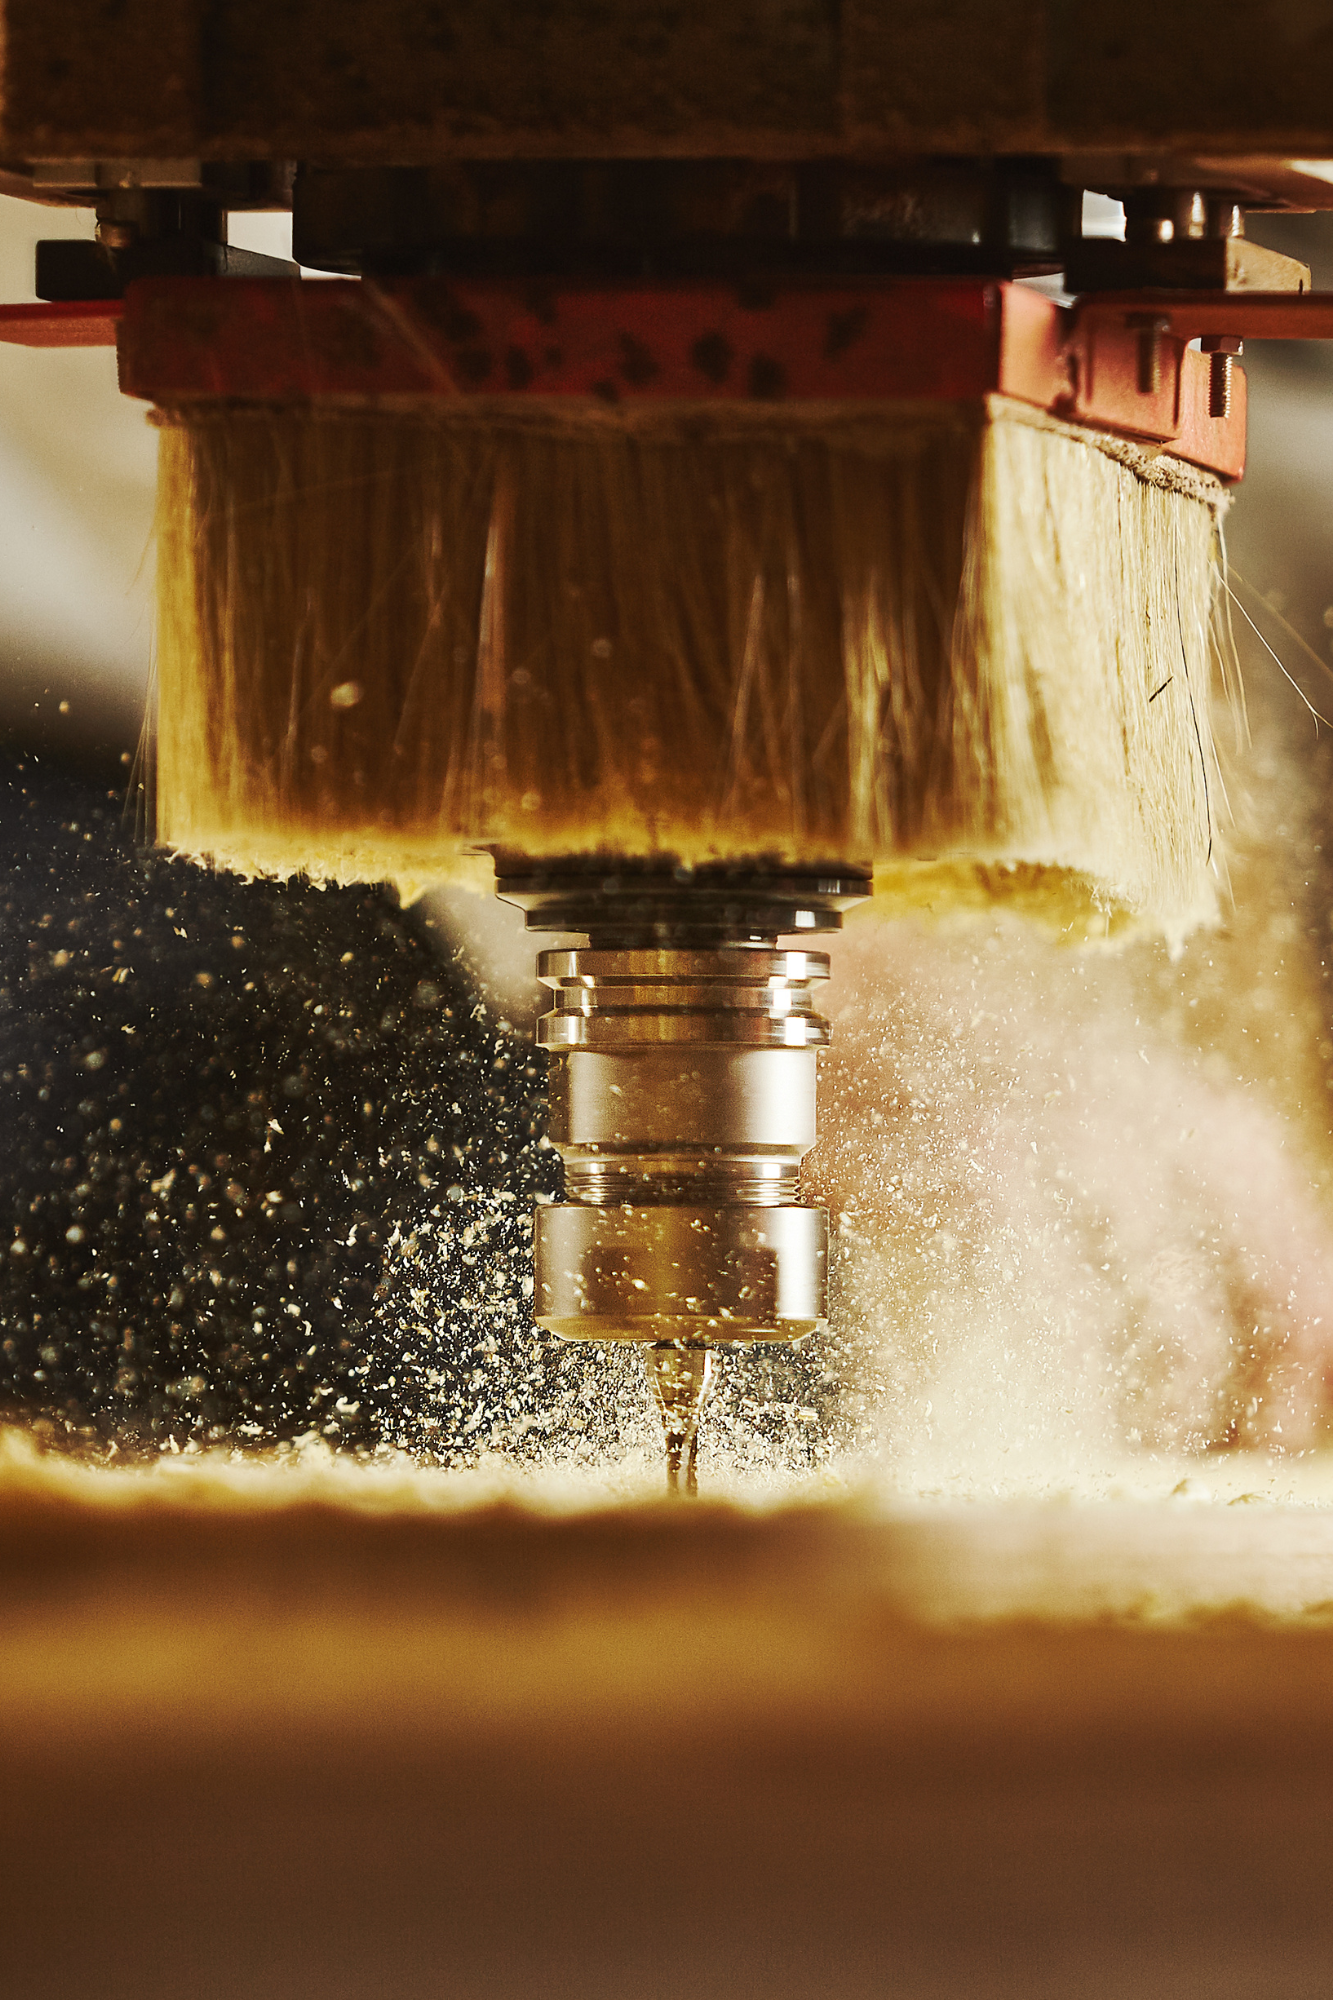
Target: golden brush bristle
[956,635]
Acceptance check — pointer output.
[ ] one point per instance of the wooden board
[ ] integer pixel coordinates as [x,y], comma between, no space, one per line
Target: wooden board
[428,79]
[345,1733]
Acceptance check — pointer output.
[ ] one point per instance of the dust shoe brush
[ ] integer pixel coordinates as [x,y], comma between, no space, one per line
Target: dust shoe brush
[965,641]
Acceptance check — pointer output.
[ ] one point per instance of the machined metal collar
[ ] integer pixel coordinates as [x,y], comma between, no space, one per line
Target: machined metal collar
[682,1100]
[683,1046]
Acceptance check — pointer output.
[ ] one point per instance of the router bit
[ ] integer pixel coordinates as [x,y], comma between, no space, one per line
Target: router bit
[683,1041]
[681,1375]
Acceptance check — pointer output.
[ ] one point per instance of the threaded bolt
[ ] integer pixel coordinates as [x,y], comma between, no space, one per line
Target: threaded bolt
[1150,328]
[1221,350]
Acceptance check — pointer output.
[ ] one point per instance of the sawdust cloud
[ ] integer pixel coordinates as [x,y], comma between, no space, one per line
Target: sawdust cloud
[1065,1243]
[1081,1195]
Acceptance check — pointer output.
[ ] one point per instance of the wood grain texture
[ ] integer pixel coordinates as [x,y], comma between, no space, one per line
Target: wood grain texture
[411,80]
[553,75]
[1132,72]
[967,73]
[102,76]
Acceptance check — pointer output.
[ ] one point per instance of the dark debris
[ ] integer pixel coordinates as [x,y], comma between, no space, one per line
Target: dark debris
[227,1104]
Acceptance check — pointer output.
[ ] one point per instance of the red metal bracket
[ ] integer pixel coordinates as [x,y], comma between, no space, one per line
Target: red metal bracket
[853,341]
[1121,364]
[613,342]
[62,323]
[1241,315]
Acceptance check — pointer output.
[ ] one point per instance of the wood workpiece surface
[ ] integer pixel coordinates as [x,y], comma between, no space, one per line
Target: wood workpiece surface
[332,1729]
